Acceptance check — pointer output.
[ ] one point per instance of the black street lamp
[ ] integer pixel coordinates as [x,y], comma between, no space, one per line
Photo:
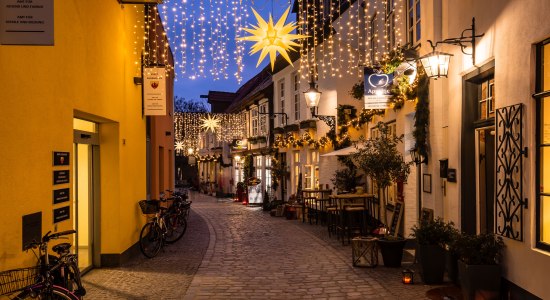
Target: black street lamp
[313,95]
[417,158]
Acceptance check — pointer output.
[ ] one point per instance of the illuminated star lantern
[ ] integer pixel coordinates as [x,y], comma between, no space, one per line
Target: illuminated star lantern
[272,38]
[179,146]
[210,123]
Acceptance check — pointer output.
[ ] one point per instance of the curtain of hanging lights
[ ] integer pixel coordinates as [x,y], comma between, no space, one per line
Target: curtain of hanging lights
[203,33]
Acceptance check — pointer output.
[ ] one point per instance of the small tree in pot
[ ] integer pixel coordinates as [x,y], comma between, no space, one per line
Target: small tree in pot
[380,160]
[432,238]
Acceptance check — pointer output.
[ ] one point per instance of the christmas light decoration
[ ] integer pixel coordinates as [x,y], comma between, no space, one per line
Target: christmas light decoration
[272,38]
[210,123]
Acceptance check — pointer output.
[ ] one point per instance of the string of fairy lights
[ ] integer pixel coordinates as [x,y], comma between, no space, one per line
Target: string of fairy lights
[204,36]
[192,128]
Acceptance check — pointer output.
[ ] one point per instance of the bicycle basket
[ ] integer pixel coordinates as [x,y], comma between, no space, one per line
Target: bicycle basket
[149,206]
[14,280]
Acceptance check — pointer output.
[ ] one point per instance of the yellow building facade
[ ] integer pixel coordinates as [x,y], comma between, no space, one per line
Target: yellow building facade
[75,97]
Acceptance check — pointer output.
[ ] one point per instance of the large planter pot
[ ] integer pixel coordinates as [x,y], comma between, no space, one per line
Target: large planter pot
[432,263]
[392,252]
[479,278]
[451,264]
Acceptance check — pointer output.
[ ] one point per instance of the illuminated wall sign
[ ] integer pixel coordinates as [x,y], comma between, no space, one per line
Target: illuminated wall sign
[239,144]
[154,91]
[26,22]
[377,89]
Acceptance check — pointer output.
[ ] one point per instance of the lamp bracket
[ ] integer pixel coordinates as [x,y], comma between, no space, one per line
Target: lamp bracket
[463,41]
[329,120]
[273,114]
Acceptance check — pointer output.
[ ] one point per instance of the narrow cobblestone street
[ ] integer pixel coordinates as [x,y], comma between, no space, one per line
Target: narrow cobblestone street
[231,251]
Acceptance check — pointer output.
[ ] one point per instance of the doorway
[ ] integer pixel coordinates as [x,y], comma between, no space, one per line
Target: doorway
[85,192]
[485,148]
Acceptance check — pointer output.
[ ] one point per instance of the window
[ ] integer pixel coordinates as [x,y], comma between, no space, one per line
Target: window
[282,100]
[296,84]
[390,23]
[413,21]
[297,172]
[254,117]
[486,101]
[543,145]
[259,169]
[263,119]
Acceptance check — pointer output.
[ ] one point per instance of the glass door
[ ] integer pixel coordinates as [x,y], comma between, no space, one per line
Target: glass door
[486,178]
[85,160]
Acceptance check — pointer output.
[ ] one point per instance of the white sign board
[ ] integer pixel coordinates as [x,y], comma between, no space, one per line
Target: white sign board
[154,91]
[26,22]
[377,89]
[255,194]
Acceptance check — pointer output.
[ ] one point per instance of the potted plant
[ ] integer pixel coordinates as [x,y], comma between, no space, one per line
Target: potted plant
[432,237]
[479,264]
[380,160]
[391,248]
[345,180]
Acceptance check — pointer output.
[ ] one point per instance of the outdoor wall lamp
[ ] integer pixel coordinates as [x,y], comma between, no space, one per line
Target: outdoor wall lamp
[436,63]
[313,95]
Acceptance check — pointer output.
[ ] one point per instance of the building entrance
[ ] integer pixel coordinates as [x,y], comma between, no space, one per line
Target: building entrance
[86,191]
[485,178]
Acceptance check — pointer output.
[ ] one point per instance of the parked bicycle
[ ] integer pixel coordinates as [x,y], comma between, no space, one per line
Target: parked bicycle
[54,277]
[167,226]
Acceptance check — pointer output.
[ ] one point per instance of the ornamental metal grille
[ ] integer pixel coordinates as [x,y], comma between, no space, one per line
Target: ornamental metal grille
[509,172]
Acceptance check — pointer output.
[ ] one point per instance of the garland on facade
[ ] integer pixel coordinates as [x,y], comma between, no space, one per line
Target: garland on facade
[290,140]
[422,116]
[248,168]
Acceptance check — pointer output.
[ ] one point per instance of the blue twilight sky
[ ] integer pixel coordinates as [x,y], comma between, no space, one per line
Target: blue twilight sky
[193,88]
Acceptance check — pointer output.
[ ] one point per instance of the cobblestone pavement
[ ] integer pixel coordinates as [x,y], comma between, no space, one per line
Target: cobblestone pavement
[231,251]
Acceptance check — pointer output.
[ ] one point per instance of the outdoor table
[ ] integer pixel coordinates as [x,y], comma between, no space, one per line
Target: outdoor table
[346,206]
[313,203]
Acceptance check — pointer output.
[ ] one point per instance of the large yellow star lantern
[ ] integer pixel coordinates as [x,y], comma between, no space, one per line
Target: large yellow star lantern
[272,38]
[210,123]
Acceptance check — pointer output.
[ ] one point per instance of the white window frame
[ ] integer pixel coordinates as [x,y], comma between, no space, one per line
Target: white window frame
[296,94]
[281,85]
[414,18]
[254,121]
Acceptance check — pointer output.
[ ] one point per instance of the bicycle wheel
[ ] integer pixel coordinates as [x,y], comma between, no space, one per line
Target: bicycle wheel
[41,292]
[150,239]
[72,280]
[177,225]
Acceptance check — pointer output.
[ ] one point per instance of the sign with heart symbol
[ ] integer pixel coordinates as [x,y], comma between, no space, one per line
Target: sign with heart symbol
[377,89]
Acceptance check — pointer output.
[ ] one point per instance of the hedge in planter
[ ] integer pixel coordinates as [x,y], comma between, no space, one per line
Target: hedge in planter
[432,238]
[479,264]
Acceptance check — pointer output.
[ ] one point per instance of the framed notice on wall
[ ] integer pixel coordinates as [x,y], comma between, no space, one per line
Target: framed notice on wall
[154,91]
[26,22]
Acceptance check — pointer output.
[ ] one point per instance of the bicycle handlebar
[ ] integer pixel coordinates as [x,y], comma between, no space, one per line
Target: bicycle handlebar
[47,237]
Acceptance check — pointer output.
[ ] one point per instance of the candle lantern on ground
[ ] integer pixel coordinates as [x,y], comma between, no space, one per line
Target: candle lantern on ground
[408,276]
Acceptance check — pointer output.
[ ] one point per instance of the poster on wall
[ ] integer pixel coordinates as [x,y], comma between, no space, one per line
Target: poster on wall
[26,22]
[377,89]
[154,91]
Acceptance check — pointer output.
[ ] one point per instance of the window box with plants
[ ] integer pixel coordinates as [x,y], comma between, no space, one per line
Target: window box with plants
[306,124]
[292,128]
[432,238]
[479,268]
[278,130]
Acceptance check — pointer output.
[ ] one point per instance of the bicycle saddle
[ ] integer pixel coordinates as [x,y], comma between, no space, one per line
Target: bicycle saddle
[61,248]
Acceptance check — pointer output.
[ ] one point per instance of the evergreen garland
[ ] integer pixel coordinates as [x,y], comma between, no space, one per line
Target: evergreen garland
[422,116]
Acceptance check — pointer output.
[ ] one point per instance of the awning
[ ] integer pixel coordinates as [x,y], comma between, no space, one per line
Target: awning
[341,152]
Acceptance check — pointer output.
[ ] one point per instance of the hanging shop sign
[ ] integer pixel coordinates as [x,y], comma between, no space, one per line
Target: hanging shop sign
[26,22]
[377,89]
[239,144]
[61,214]
[154,91]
